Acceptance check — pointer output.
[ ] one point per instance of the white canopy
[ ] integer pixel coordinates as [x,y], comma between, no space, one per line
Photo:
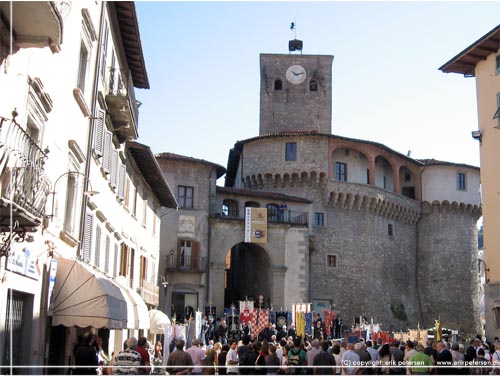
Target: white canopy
[137,311]
[83,296]
[158,321]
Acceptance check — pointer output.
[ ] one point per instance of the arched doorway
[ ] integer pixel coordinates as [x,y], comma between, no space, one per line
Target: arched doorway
[247,274]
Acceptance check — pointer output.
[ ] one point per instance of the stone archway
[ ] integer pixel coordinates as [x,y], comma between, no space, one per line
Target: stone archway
[247,274]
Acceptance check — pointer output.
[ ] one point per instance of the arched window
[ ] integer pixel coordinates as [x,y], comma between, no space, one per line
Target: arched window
[251,204]
[313,85]
[278,84]
[272,212]
[230,208]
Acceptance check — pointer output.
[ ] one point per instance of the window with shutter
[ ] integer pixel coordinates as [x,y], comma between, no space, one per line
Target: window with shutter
[98,133]
[113,178]
[121,182]
[143,272]
[106,254]
[97,253]
[195,255]
[127,193]
[87,238]
[124,260]
[108,147]
[115,261]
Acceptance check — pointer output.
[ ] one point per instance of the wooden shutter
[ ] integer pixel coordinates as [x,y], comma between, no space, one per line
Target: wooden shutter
[97,253]
[123,260]
[116,261]
[106,162]
[87,237]
[195,255]
[106,254]
[114,169]
[121,181]
[98,133]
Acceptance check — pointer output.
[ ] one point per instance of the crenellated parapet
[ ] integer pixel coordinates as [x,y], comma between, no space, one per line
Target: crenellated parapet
[445,207]
[291,180]
[350,196]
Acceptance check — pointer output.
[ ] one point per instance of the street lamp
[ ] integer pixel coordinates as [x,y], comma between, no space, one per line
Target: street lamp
[87,193]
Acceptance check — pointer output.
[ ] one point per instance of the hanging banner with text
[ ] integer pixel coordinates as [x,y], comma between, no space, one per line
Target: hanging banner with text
[255,225]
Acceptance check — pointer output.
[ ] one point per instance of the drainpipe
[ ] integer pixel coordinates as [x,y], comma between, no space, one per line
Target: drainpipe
[92,118]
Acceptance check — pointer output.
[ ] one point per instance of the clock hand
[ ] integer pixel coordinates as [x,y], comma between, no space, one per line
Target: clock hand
[297,74]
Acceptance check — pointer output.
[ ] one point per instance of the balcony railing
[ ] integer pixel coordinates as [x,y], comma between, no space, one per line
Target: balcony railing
[273,215]
[150,293]
[122,105]
[191,264]
[24,186]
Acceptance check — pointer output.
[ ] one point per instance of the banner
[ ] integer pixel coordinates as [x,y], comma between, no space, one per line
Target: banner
[197,324]
[309,322]
[246,311]
[255,225]
[272,317]
[260,320]
[282,320]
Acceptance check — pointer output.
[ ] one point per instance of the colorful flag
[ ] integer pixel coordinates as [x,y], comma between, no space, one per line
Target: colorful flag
[260,320]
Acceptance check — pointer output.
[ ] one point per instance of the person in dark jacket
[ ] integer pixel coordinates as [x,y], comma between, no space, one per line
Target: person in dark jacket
[444,360]
[86,355]
[324,358]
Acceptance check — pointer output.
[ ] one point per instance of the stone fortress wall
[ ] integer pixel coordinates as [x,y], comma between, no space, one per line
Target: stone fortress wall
[415,274]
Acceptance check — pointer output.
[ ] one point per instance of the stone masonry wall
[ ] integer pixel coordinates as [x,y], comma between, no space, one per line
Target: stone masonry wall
[447,266]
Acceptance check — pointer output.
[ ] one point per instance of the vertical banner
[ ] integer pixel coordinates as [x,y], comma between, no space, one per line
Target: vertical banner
[197,324]
[246,311]
[255,225]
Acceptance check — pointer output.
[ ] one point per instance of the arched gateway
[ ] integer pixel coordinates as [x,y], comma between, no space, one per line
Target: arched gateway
[247,274]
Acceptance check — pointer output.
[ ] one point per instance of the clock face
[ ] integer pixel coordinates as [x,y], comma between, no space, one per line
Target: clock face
[296,74]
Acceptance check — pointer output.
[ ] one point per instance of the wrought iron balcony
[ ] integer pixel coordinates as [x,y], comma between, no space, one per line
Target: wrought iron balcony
[150,293]
[274,215]
[191,264]
[122,106]
[24,187]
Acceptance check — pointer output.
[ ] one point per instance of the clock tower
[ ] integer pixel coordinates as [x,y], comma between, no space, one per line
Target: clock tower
[295,93]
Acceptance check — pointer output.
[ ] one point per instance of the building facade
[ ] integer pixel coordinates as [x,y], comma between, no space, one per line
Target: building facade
[80,198]
[351,224]
[482,60]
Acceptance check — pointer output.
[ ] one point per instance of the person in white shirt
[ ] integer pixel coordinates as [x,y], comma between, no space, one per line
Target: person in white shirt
[232,360]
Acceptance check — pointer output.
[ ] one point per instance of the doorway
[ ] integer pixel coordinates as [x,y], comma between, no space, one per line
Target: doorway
[247,275]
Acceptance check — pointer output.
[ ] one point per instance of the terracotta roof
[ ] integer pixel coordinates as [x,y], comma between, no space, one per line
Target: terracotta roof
[235,152]
[263,194]
[131,38]
[465,62]
[435,162]
[149,168]
[177,157]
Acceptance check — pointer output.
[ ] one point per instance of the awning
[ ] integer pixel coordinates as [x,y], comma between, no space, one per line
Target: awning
[137,311]
[84,297]
[158,321]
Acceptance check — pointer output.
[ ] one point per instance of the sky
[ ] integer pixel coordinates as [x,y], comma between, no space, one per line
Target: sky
[202,60]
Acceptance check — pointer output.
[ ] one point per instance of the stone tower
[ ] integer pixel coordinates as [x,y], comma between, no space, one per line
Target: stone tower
[295,93]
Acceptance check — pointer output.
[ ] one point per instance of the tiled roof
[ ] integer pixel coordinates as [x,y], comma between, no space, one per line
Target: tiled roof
[177,157]
[263,194]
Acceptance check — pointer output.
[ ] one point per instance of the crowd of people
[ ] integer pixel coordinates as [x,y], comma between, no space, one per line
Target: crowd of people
[295,355]
[309,356]
[138,357]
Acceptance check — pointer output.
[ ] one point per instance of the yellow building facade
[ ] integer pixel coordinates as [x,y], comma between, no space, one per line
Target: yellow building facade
[482,61]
